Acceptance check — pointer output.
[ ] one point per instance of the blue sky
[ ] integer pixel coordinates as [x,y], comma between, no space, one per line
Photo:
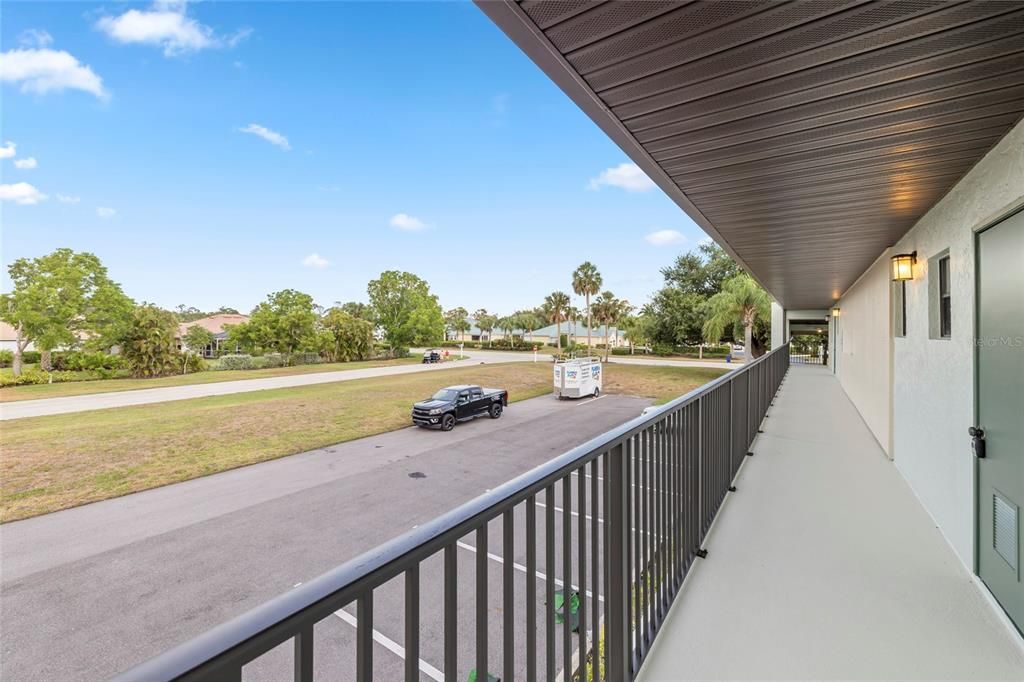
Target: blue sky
[213,152]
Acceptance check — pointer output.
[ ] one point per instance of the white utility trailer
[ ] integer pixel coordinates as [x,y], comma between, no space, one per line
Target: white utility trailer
[578,377]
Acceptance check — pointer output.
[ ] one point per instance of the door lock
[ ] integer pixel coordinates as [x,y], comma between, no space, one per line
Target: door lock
[977,435]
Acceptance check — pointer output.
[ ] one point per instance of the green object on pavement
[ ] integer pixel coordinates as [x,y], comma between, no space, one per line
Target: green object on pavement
[574,609]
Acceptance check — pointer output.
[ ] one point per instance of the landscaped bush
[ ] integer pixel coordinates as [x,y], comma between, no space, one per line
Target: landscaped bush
[6,358]
[79,361]
[235,361]
[30,357]
[36,376]
[381,351]
[467,344]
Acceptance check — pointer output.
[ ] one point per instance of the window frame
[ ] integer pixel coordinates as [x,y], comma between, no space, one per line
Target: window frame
[945,299]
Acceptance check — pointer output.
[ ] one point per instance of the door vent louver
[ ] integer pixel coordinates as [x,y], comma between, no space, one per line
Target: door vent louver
[1004,529]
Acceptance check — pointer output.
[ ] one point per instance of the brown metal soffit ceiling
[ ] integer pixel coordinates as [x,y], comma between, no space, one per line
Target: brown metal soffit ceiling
[806,137]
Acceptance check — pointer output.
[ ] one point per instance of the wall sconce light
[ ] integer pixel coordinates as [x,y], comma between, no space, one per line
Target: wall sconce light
[835,312]
[903,266]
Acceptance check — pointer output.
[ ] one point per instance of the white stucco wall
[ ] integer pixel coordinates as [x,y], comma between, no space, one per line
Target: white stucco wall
[933,379]
[865,351]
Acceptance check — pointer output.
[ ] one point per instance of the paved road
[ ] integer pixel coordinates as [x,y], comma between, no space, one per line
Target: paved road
[99,401]
[88,592]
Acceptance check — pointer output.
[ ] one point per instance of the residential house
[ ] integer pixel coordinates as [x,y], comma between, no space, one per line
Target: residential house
[217,325]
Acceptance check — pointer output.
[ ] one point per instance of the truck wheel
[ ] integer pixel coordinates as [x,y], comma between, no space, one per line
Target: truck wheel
[448,422]
[597,392]
[495,410]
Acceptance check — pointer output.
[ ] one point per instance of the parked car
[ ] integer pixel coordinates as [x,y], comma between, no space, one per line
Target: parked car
[431,355]
[458,403]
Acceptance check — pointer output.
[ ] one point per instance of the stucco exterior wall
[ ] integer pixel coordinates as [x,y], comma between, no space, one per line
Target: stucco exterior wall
[933,379]
[864,368]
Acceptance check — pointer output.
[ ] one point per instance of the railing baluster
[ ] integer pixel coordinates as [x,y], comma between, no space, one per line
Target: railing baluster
[364,637]
[304,654]
[617,595]
[635,584]
[581,541]
[566,576]
[644,577]
[531,588]
[451,612]
[595,617]
[549,584]
[481,602]
[412,624]
[508,603]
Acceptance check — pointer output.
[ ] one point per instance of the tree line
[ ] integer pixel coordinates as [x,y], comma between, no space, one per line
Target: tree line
[66,300]
[705,298]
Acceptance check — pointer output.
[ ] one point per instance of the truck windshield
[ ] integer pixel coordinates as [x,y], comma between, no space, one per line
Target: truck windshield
[446,394]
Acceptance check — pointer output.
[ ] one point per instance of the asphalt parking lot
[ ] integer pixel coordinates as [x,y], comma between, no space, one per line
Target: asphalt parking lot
[91,591]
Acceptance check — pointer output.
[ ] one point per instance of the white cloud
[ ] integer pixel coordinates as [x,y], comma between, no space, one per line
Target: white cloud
[271,136]
[65,199]
[104,212]
[44,70]
[627,176]
[665,237]
[35,37]
[8,150]
[26,163]
[21,193]
[406,222]
[315,260]
[167,25]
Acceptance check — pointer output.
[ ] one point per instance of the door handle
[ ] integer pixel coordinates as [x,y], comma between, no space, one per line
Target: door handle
[977,435]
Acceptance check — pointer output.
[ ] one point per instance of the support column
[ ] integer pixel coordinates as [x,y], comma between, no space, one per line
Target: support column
[780,333]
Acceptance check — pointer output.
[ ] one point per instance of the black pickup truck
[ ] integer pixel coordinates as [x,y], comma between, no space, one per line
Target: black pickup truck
[458,403]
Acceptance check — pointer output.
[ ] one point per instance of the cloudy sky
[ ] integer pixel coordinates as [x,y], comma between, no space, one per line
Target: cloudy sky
[210,153]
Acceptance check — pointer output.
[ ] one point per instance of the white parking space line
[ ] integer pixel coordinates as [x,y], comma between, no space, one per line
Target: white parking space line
[587,402]
[522,569]
[392,646]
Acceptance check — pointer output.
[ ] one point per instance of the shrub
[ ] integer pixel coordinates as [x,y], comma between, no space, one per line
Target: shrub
[79,361]
[236,361]
[37,376]
[30,357]
[467,344]
[194,363]
[6,357]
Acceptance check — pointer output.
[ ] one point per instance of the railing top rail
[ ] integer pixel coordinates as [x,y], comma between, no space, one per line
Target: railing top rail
[265,626]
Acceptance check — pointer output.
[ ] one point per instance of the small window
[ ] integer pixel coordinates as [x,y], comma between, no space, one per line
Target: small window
[899,327]
[945,304]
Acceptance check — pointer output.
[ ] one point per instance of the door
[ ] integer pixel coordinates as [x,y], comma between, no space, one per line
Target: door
[463,405]
[1000,412]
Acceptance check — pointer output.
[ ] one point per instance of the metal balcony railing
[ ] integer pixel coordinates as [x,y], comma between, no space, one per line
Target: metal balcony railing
[645,495]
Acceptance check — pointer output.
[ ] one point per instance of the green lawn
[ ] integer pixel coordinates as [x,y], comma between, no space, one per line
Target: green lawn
[71,388]
[62,461]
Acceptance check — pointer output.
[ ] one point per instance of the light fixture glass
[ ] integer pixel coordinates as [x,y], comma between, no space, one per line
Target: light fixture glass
[903,266]
[835,312]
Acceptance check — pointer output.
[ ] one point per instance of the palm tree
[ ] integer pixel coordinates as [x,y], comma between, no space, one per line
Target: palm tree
[586,281]
[556,304]
[508,325]
[622,312]
[740,300]
[606,309]
[484,322]
[572,313]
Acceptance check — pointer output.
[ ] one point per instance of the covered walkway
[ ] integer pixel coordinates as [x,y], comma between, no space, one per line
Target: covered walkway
[824,565]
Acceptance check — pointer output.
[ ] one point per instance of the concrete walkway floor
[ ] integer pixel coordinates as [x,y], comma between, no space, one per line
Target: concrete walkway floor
[823,565]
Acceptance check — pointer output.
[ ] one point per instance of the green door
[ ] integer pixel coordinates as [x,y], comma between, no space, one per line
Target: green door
[1000,406]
